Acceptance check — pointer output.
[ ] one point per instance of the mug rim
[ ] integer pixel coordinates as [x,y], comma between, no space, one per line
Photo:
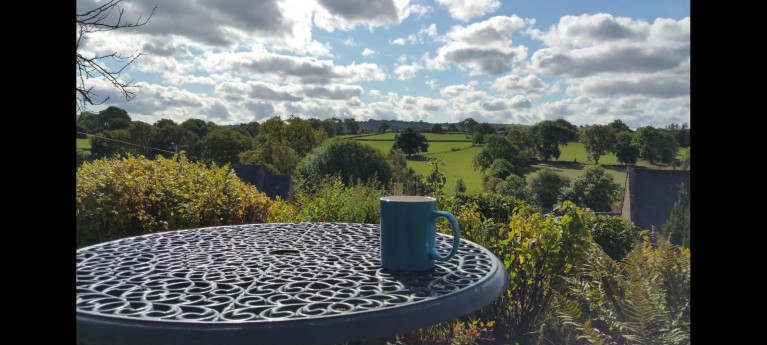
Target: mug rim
[407,198]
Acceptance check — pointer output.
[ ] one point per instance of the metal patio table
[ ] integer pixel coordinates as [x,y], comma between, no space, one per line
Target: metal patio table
[287,283]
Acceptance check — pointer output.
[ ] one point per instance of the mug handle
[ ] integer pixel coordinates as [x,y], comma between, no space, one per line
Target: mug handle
[456,236]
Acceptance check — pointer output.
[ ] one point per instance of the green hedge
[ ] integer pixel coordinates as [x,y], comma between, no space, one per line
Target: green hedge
[130,196]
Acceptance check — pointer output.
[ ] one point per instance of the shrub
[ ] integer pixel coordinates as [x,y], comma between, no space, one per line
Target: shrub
[616,236]
[334,201]
[350,159]
[546,186]
[131,196]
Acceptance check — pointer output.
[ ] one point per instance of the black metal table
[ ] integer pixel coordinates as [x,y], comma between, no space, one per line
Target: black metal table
[302,283]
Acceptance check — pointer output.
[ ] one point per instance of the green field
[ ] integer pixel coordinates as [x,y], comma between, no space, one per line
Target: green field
[459,163]
[84,143]
[429,137]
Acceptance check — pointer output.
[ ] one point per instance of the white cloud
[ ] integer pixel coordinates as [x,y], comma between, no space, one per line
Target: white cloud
[602,55]
[348,14]
[467,9]
[483,47]
[288,68]
[482,107]
[398,41]
[405,72]
[432,83]
[420,10]
[349,41]
[368,52]
[407,108]
[529,85]
[593,44]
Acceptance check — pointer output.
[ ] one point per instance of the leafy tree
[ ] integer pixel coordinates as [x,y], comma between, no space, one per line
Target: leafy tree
[598,140]
[165,122]
[410,142]
[501,168]
[468,125]
[170,136]
[352,127]
[97,20]
[484,128]
[460,186]
[686,160]
[300,136]
[477,139]
[329,126]
[197,126]
[513,186]
[523,138]
[222,146]
[546,186]
[81,131]
[111,143]
[682,134]
[624,148]
[452,128]
[383,128]
[618,126]
[277,158]
[656,145]
[114,118]
[498,147]
[435,180]
[593,188]
[549,135]
[437,128]
[677,228]
[91,122]
[251,128]
[315,123]
[349,159]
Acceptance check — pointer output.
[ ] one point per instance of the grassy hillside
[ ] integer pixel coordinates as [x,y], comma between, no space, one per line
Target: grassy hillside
[458,155]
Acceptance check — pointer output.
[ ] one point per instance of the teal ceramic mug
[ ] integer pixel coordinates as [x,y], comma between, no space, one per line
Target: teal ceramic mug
[409,231]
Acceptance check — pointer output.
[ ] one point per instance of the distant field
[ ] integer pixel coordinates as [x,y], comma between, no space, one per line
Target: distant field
[459,163]
[429,136]
[84,143]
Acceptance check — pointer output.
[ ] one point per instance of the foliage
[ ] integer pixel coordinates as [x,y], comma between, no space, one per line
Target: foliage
[278,159]
[681,133]
[222,146]
[468,125]
[491,182]
[549,135]
[537,251]
[299,135]
[618,126]
[513,186]
[598,140]
[546,186]
[197,126]
[349,159]
[434,181]
[644,299]
[593,188]
[337,201]
[484,128]
[383,128]
[656,145]
[501,168]
[460,186]
[523,138]
[624,148]
[477,139]
[686,160]
[437,128]
[352,127]
[498,147]
[452,128]
[677,228]
[496,208]
[410,142]
[130,196]
[402,176]
[616,236]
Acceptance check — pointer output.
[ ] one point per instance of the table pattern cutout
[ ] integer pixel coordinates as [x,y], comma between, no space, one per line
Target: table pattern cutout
[261,273]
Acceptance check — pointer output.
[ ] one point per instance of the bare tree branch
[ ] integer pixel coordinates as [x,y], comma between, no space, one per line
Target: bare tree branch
[98,20]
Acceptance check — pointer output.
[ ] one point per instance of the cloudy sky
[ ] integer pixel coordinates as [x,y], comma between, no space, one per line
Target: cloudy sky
[517,61]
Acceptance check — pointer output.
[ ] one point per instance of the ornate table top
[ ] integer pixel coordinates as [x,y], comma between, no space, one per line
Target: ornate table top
[263,283]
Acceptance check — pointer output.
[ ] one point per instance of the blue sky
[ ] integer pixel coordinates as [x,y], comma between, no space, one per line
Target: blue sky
[433,60]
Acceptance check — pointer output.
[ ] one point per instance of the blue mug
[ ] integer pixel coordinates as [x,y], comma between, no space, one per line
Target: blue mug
[409,231]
